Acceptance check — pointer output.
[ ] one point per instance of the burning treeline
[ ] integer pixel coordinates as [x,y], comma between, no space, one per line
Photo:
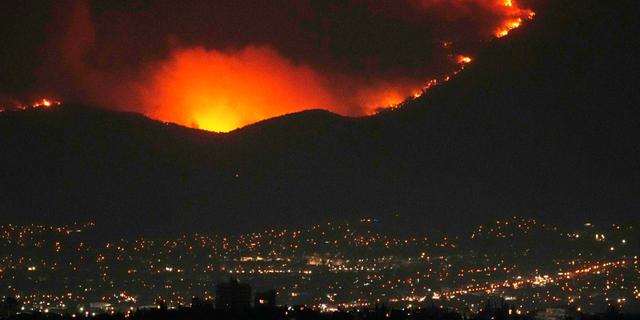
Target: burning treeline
[222,66]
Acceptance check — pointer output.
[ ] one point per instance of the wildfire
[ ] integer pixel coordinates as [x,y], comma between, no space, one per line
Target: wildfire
[44,103]
[464,59]
[222,88]
[395,101]
[222,91]
[518,16]
[510,25]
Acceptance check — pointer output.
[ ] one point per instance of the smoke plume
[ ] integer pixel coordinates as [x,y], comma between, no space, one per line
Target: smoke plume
[219,65]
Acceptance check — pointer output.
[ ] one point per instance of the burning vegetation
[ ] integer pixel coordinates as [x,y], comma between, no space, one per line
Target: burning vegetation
[44,103]
[221,91]
[518,16]
[219,83]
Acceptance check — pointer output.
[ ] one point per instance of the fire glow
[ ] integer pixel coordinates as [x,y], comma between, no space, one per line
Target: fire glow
[222,88]
[222,91]
[515,22]
[43,103]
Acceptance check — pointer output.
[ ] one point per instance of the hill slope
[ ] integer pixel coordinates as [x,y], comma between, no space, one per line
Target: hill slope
[541,125]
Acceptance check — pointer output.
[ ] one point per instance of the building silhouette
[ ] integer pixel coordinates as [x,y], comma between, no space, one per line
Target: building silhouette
[9,306]
[233,295]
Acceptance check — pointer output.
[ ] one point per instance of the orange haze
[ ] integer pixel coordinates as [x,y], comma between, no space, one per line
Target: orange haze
[221,90]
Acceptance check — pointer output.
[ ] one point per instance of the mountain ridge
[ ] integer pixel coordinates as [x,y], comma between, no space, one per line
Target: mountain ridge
[527,129]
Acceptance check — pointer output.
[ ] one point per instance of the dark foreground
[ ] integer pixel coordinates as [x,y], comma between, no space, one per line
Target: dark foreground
[206,311]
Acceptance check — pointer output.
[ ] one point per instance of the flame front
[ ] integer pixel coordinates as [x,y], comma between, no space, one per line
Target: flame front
[223,89]
[43,103]
[464,59]
[518,15]
[221,92]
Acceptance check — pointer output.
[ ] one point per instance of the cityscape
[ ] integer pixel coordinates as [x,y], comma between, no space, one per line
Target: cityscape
[327,267]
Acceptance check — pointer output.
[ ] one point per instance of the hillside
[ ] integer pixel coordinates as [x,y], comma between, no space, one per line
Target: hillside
[516,133]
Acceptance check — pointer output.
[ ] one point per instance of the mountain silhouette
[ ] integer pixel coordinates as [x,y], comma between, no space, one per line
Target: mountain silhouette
[544,123]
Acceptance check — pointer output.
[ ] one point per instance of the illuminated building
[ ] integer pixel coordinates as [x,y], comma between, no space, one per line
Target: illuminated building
[265,299]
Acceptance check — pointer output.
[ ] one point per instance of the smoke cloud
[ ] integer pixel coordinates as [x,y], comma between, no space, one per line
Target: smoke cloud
[219,65]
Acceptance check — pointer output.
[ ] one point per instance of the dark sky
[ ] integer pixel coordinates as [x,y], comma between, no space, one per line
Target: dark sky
[346,56]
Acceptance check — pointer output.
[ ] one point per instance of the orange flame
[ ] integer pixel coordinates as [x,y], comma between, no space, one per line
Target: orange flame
[224,90]
[43,103]
[221,91]
[464,59]
[516,21]
[517,16]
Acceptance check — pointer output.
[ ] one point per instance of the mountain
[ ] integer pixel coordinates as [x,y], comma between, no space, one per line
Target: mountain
[543,124]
